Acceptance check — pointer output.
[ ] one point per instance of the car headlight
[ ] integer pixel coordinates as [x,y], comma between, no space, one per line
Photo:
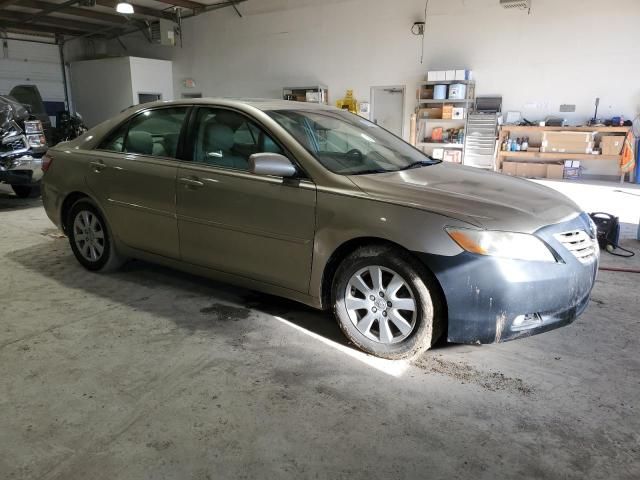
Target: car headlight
[517,246]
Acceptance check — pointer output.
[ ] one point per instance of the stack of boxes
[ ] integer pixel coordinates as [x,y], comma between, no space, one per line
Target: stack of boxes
[567,142]
[564,142]
[448,75]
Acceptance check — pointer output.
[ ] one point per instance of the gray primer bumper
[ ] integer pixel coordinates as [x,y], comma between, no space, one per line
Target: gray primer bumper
[485,294]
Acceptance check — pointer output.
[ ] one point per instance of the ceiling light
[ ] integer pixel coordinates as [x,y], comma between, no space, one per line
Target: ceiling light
[125,8]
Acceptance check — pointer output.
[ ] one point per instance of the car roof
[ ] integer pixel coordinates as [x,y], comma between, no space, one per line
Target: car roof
[264,104]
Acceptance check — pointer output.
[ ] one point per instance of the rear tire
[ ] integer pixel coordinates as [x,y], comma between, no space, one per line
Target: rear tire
[90,239]
[26,191]
[386,303]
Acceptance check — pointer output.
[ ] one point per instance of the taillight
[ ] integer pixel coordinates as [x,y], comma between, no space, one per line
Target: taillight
[47,160]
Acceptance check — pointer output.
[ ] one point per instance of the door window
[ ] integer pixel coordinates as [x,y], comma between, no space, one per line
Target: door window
[154,132]
[227,139]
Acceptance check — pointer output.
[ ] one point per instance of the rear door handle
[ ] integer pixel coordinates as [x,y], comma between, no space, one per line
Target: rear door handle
[98,166]
[191,182]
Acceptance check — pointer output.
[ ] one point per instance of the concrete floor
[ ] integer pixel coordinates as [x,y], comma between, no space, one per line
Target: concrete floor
[153,374]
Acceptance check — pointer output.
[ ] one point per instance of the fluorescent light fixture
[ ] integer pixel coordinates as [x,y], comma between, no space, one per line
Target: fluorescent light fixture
[124,8]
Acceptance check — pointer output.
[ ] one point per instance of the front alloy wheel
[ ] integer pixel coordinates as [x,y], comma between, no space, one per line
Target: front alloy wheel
[380,304]
[386,302]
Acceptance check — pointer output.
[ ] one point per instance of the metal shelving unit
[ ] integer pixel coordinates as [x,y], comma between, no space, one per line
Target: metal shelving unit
[299,94]
[425,125]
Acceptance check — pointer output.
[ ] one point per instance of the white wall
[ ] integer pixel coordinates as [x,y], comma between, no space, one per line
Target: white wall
[151,76]
[101,88]
[565,51]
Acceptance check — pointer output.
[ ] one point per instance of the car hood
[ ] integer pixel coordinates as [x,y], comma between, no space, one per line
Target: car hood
[485,199]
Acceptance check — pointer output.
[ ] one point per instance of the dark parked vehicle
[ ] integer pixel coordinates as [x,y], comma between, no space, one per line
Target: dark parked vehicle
[324,207]
[22,145]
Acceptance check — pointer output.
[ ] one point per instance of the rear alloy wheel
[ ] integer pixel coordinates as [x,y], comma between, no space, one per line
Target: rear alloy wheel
[385,303]
[89,238]
[26,191]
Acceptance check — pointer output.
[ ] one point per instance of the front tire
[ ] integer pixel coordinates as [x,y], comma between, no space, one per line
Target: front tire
[90,239]
[386,303]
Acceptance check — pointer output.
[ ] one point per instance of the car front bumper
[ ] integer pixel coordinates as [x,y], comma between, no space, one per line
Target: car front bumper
[23,170]
[491,299]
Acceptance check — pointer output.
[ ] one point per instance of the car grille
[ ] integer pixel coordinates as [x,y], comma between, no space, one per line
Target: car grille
[580,244]
[17,144]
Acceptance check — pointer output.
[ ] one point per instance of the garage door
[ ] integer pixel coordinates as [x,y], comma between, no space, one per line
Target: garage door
[33,64]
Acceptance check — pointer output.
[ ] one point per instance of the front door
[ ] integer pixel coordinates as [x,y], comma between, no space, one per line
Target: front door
[388,108]
[133,176]
[231,220]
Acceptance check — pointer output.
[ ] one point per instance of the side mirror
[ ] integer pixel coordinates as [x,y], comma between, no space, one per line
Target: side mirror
[271,164]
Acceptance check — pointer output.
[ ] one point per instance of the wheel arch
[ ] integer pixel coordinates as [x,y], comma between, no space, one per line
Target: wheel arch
[70,199]
[349,246]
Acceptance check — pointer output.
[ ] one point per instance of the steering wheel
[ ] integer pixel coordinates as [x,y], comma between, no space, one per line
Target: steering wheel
[354,152]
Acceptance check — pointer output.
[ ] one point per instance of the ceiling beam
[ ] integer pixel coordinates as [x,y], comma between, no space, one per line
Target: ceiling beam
[215,6]
[139,11]
[77,12]
[6,3]
[52,21]
[18,27]
[53,7]
[190,4]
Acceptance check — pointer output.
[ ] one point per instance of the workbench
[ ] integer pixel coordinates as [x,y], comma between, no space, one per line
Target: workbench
[535,133]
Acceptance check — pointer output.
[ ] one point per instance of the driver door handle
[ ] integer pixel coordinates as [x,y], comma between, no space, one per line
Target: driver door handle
[191,182]
[98,166]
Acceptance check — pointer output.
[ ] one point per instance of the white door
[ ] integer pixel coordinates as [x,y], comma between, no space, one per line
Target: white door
[387,108]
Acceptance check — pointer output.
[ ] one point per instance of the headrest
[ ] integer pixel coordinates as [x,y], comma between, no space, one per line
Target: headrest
[139,142]
[220,136]
[229,118]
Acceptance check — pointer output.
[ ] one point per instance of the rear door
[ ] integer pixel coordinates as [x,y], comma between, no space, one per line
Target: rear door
[133,176]
[231,220]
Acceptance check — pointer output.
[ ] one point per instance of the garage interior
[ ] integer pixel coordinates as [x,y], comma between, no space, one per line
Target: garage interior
[153,373]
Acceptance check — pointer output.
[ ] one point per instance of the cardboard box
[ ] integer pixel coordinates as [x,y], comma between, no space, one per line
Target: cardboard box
[531,170]
[449,74]
[425,92]
[572,169]
[447,111]
[463,75]
[572,173]
[458,112]
[567,147]
[432,76]
[313,96]
[611,144]
[430,112]
[555,171]
[453,156]
[509,168]
[570,137]
[437,153]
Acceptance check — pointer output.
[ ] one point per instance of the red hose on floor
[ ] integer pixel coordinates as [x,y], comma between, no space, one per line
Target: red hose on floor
[615,269]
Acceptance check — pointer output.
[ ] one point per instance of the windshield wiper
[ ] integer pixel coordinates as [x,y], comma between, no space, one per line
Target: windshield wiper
[372,170]
[421,163]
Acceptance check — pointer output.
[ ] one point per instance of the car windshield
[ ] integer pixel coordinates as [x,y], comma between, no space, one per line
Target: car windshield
[348,144]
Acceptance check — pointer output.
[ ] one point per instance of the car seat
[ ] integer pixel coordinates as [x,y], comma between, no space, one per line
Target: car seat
[139,142]
[217,147]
